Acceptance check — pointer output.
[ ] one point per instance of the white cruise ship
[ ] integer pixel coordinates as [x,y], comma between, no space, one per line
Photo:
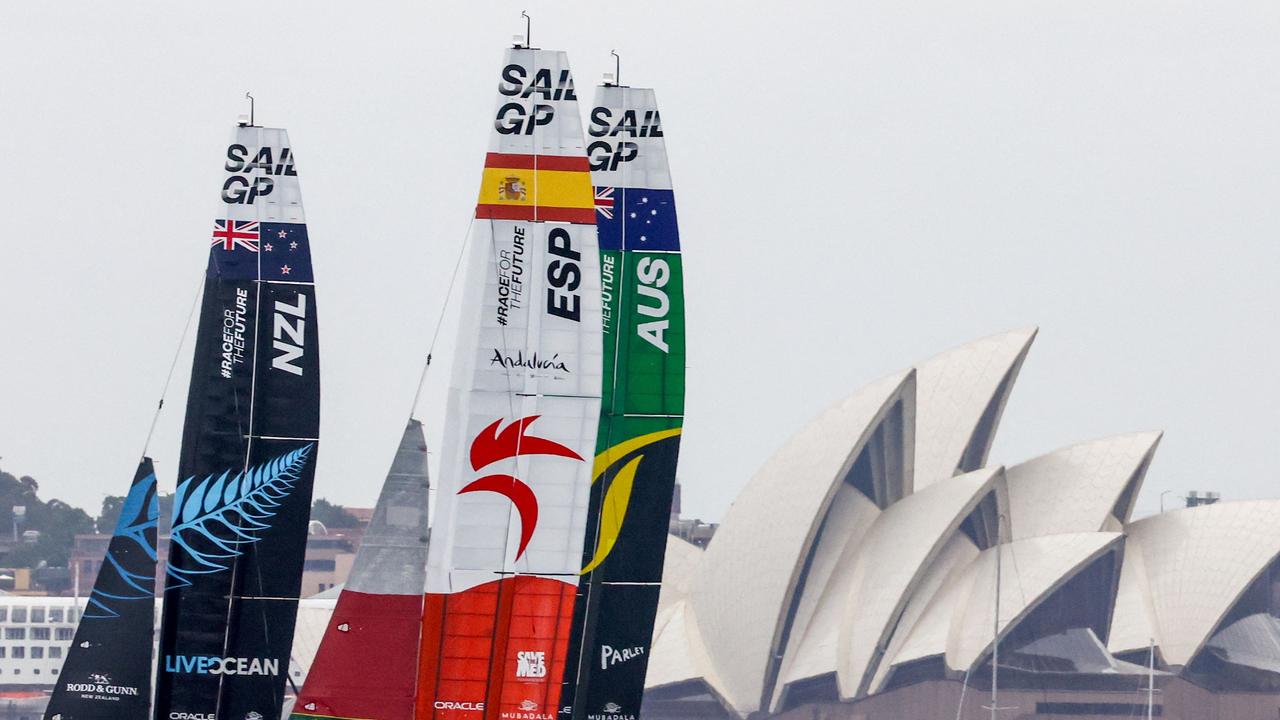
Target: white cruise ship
[35,633]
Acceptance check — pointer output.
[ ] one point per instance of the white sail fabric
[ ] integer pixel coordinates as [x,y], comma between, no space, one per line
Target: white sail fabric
[524,397]
[625,142]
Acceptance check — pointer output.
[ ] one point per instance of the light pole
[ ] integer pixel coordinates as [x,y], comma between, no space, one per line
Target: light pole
[1166,492]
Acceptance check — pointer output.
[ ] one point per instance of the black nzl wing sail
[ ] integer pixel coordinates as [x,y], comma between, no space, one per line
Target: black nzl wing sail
[107,671]
[249,450]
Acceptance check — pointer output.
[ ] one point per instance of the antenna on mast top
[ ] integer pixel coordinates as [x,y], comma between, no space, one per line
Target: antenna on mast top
[527,40]
[616,77]
[247,121]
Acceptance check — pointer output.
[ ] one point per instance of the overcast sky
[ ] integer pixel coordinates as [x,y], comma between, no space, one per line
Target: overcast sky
[860,186]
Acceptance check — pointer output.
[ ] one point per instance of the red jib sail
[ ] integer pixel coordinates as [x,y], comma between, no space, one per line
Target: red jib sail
[523,409]
[366,666]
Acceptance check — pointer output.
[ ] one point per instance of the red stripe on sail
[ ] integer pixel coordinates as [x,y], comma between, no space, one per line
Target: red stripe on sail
[495,649]
[366,670]
[581,216]
[576,163]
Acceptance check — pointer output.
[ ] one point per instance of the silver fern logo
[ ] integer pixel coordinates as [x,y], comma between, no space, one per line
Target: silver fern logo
[214,519]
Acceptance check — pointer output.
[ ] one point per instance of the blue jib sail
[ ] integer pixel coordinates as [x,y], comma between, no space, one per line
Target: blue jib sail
[107,671]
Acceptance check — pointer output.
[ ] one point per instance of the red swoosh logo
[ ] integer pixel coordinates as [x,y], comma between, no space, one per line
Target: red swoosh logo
[490,446]
[520,495]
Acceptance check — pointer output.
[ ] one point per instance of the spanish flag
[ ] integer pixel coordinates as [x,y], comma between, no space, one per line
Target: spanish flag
[536,187]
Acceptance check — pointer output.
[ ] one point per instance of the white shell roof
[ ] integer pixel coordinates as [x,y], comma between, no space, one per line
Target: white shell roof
[678,647]
[1075,489]
[954,390]
[1197,562]
[678,565]
[891,562]
[744,585]
[812,647]
[1033,569]
[927,619]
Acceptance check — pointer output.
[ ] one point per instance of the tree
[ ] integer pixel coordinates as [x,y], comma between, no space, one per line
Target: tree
[107,520]
[333,516]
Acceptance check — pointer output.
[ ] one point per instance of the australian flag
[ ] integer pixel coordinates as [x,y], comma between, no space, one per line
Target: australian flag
[649,218]
[242,250]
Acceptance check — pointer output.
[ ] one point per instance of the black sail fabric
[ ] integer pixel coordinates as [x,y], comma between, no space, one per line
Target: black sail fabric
[107,671]
[249,450]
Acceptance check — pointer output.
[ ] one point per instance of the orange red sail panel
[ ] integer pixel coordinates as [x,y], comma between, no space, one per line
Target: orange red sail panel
[368,667]
[548,188]
[496,651]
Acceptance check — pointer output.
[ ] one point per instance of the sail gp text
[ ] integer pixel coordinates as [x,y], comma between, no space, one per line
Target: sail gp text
[233,332]
[515,118]
[206,665]
[250,179]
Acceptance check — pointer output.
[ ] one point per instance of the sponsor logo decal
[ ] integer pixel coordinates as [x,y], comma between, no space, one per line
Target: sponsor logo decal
[180,715]
[531,664]
[610,711]
[511,276]
[532,362]
[207,665]
[233,329]
[610,656]
[490,446]
[100,687]
[239,189]
[215,517]
[458,705]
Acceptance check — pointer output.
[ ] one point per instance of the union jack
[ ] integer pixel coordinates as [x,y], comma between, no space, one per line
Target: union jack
[232,233]
[604,202]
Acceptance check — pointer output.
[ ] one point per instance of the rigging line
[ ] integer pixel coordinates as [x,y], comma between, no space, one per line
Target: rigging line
[435,334]
[182,339]
[964,685]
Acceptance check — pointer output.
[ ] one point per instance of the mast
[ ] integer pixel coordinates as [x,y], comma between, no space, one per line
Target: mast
[249,448]
[106,674]
[995,634]
[994,707]
[366,666]
[522,415]
[1151,681]
[643,407]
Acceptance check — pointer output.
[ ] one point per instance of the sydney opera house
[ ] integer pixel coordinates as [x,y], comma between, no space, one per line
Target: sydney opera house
[855,577]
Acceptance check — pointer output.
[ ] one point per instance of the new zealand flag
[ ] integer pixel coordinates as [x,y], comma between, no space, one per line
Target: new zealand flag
[238,248]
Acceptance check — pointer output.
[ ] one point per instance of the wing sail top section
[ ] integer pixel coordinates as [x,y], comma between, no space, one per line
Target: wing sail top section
[524,403]
[249,448]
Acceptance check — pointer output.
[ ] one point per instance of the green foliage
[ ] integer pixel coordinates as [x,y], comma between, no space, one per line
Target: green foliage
[57,522]
[333,516]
